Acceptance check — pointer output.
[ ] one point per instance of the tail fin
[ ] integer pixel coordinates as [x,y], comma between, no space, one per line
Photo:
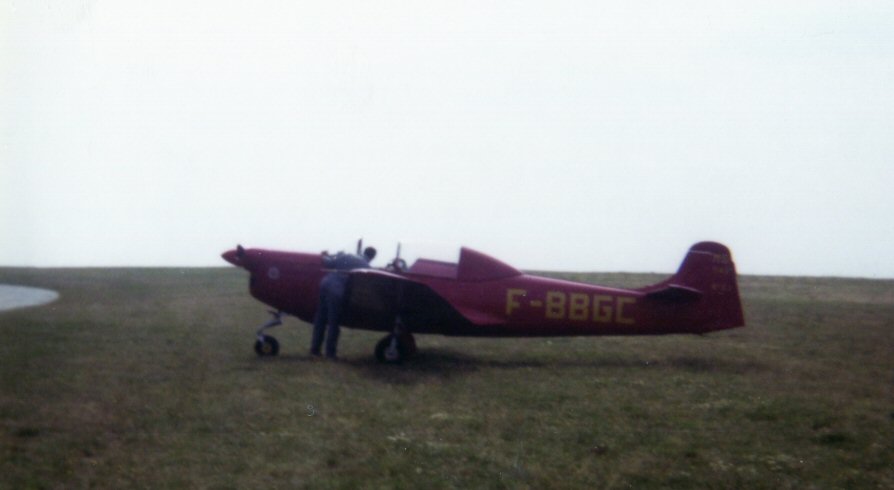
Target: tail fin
[707,276]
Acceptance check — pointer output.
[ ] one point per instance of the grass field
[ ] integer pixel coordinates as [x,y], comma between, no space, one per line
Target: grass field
[147,378]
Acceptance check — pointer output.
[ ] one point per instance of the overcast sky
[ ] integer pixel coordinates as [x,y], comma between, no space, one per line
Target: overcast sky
[595,136]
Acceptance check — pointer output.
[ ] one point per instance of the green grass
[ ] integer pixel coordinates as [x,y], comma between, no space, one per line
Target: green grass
[146,378]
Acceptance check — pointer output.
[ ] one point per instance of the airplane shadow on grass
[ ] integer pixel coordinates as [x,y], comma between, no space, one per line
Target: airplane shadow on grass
[446,363]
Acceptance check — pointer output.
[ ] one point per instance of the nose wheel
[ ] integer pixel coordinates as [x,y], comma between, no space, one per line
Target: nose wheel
[267,345]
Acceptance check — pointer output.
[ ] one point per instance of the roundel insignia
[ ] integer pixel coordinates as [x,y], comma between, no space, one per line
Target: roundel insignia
[273,273]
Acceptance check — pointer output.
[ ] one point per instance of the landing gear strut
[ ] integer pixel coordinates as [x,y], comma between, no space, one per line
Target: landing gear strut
[267,345]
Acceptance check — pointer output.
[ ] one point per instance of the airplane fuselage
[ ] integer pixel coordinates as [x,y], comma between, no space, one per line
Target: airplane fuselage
[475,303]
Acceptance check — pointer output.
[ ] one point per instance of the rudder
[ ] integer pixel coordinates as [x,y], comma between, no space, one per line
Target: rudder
[709,268]
[706,280]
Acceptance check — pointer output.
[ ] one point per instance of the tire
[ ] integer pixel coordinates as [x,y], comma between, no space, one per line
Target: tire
[409,344]
[266,346]
[386,355]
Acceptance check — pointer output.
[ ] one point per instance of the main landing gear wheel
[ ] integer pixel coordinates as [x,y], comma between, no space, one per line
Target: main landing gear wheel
[395,349]
[266,346]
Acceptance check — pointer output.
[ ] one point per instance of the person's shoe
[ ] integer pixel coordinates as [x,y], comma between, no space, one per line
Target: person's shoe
[315,352]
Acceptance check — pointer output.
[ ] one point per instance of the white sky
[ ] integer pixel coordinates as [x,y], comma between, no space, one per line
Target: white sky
[553,135]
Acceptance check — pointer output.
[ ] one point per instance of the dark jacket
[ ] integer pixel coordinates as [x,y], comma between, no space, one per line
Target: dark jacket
[334,283]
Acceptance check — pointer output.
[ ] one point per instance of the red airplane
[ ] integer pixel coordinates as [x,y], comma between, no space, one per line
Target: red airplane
[481,296]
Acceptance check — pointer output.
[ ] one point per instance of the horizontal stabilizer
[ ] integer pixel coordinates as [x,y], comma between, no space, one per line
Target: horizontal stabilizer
[675,293]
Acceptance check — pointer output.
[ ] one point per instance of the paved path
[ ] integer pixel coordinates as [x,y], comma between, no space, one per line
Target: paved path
[19,297]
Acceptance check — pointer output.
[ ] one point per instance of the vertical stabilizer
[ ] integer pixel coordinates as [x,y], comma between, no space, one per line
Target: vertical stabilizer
[706,280]
[709,268]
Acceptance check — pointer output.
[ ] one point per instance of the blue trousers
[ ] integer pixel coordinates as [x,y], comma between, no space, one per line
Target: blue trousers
[328,314]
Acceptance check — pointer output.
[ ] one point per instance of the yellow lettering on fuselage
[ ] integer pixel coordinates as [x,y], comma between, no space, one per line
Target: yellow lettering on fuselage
[555,305]
[578,307]
[620,318]
[602,308]
[511,302]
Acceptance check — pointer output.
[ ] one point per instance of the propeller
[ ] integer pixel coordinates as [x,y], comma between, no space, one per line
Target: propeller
[398,264]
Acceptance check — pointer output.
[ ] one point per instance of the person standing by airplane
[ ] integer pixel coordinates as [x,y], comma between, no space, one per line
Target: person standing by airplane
[332,291]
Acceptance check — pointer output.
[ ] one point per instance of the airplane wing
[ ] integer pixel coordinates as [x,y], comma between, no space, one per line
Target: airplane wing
[374,298]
